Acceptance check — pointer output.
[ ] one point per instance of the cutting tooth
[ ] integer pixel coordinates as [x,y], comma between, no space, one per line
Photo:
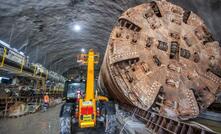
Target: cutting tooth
[156,60]
[161,97]
[172,83]
[156,109]
[199,99]
[159,104]
[174,68]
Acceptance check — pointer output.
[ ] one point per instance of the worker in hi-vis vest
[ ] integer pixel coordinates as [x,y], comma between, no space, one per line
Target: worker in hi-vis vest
[46,101]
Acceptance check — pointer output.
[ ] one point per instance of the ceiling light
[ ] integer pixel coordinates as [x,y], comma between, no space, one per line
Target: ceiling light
[77,27]
[82,50]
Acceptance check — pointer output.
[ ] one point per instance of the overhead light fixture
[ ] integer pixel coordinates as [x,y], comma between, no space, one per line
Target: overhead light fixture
[76,27]
[82,50]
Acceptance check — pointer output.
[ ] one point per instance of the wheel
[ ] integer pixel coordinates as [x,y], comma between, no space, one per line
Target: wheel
[66,118]
[65,125]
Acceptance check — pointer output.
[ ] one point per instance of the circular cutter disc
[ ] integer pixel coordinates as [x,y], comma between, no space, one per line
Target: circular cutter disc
[162,58]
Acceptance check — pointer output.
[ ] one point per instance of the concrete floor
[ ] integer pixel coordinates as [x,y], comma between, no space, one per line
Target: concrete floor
[38,123]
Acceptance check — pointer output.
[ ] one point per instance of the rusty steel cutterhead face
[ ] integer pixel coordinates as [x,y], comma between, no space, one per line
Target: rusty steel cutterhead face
[161,57]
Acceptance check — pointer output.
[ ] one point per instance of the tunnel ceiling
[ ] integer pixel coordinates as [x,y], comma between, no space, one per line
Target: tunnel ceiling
[44,29]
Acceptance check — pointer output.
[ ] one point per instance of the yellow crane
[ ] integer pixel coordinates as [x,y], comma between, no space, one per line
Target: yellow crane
[87,109]
[87,105]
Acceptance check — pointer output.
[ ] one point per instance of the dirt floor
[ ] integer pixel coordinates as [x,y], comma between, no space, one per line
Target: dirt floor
[38,123]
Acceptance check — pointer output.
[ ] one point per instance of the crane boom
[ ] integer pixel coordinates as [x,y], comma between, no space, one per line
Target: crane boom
[90,75]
